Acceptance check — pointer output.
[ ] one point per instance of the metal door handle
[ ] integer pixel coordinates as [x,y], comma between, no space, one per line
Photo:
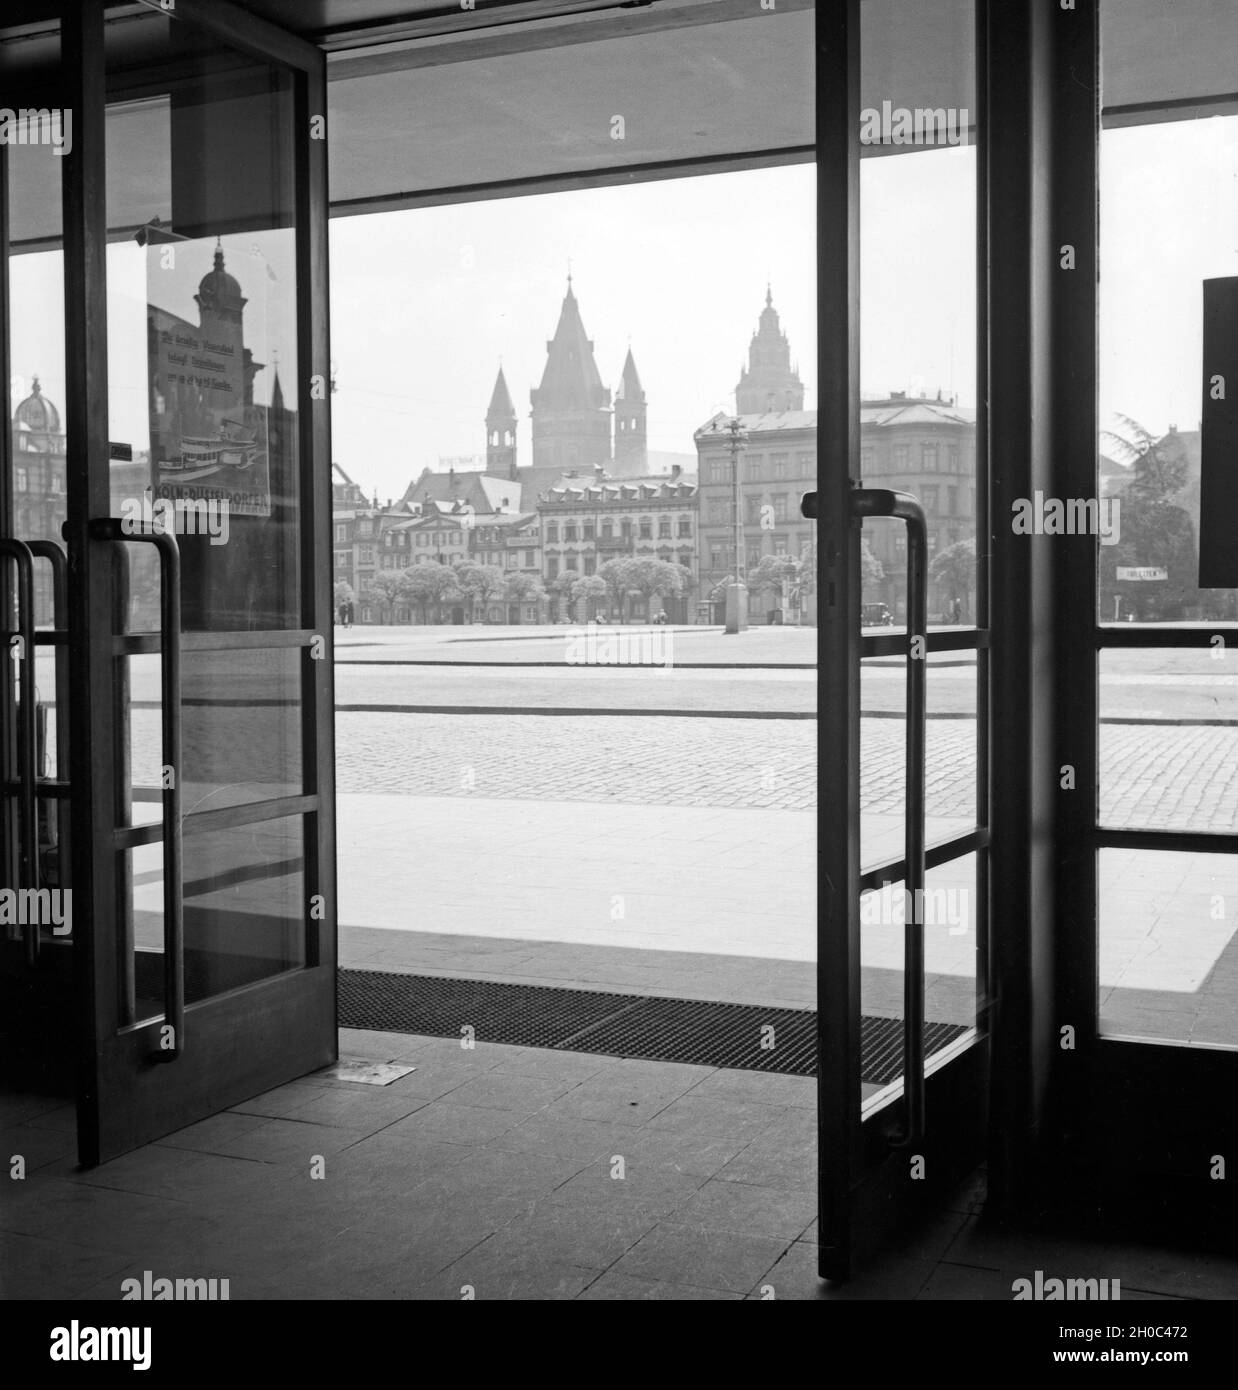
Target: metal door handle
[28,857]
[111,529]
[866,502]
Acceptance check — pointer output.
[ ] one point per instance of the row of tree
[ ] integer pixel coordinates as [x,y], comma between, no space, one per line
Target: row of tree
[433,590]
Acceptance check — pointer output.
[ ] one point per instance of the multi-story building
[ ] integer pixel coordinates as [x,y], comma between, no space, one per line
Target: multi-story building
[914,443]
[777,465]
[587,520]
[925,446]
[344,492]
[357,536]
[777,459]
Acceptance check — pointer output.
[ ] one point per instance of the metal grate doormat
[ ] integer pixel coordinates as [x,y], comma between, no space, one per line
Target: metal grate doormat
[619,1025]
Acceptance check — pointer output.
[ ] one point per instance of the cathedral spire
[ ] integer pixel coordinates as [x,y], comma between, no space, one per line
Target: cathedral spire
[631,446]
[769,383]
[501,431]
[571,407]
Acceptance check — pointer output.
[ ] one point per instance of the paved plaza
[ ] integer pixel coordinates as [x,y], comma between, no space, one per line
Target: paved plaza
[654,829]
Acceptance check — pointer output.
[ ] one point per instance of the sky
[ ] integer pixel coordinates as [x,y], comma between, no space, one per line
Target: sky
[425,303]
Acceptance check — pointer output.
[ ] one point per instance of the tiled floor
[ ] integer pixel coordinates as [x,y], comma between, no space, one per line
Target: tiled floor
[507,1172]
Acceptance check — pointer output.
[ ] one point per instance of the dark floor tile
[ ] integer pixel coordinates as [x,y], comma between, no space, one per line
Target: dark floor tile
[644,1187]
[577,1236]
[701,1258]
[757,1211]
[32,1267]
[626,1288]
[795,1276]
[38,1148]
[508,1091]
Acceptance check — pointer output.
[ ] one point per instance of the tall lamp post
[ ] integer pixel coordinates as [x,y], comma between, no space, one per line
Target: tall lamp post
[737,590]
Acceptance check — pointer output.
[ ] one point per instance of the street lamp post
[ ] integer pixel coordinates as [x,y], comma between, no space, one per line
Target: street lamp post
[737,591]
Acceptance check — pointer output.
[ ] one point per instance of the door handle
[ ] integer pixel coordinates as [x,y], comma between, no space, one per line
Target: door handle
[874,502]
[111,529]
[28,854]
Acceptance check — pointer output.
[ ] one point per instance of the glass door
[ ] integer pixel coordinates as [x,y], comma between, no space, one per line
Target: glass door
[199,593]
[1152,961]
[904,639]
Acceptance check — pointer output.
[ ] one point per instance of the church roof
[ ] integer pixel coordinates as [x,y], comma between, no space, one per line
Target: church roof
[484,492]
[501,400]
[571,380]
[912,411]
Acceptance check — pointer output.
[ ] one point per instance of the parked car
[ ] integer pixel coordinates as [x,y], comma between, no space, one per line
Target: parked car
[876,615]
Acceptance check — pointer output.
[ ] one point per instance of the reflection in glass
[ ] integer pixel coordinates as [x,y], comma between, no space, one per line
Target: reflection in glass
[245,912]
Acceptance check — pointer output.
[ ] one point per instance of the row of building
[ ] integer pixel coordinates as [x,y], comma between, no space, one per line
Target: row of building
[595,492]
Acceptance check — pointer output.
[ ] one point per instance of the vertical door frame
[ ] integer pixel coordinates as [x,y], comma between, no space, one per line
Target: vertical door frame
[84,196]
[838,626]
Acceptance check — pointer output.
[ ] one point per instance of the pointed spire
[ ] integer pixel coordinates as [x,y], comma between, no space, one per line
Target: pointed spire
[630,388]
[501,407]
[769,296]
[571,380]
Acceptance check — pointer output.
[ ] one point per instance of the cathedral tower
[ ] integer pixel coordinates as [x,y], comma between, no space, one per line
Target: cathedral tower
[571,408]
[769,383]
[631,442]
[501,431]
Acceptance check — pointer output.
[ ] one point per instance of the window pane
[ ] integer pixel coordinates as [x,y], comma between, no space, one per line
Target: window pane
[1168,206]
[1168,955]
[1169,739]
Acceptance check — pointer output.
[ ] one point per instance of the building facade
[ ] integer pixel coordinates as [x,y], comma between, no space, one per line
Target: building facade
[586,521]
[925,446]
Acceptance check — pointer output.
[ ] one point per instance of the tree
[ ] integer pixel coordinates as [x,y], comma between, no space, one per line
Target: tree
[522,588]
[588,589]
[614,574]
[384,589]
[423,585]
[561,587]
[660,577]
[771,572]
[1153,530]
[344,592]
[871,569]
[955,570]
[479,583]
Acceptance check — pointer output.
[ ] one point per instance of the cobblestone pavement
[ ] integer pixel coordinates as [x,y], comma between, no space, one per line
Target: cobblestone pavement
[1159,776]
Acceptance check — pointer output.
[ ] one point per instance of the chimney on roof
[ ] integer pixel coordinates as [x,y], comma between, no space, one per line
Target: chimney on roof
[599,471]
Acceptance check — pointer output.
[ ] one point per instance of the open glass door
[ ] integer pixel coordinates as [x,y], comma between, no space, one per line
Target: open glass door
[903,654]
[1152,958]
[36,939]
[199,587]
